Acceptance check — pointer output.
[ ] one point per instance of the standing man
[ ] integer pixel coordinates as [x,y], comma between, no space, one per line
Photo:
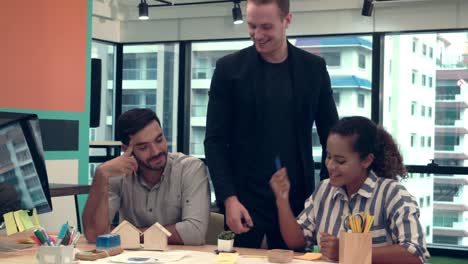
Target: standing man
[148,185]
[263,102]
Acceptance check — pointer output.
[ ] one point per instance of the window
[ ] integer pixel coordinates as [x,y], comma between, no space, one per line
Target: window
[336,97]
[362,61]
[413,108]
[361,100]
[204,57]
[333,59]
[415,44]
[142,62]
[389,104]
[437,136]
[390,67]
[105,132]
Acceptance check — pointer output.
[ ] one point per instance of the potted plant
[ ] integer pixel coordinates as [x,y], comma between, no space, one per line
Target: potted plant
[226,241]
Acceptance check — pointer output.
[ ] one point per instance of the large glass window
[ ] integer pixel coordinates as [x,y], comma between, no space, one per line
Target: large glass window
[204,58]
[347,58]
[105,52]
[441,65]
[150,80]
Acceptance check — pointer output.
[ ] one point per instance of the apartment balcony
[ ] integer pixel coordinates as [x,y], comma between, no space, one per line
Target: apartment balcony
[459,229]
[202,73]
[199,110]
[7,167]
[448,123]
[462,97]
[197,150]
[198,121]
[450,206]
[451,104]
[455,152]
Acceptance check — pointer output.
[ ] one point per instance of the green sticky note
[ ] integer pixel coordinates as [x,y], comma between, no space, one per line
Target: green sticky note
[25,219]
[35,219]
[10,223]
[19,222]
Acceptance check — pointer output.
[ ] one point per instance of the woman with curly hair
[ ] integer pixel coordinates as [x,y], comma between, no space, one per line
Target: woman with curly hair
[364,165]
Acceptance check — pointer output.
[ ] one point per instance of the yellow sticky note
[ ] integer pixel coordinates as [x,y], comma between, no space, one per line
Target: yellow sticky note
[309,256]
[35,219]
[25,219]
[10,223]
[227,258]
[19,222]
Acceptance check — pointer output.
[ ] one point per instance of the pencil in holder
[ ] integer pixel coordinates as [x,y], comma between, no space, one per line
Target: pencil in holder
[56,255]
[355,248]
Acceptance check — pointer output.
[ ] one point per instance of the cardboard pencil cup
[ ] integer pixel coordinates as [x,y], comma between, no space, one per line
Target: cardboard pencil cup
[355,248]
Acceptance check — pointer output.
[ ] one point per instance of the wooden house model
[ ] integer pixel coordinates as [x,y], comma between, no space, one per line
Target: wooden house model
[129,235]
[156,237]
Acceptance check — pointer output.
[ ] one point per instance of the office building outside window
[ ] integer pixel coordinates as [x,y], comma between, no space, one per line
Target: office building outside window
[444,209]
[150,80]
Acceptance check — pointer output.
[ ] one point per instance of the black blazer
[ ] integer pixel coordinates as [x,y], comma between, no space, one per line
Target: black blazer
[234,105]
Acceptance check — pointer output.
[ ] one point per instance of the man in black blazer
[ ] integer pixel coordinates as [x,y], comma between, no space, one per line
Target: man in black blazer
[263,103]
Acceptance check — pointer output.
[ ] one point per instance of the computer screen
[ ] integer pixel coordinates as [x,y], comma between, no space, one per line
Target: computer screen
[22,165]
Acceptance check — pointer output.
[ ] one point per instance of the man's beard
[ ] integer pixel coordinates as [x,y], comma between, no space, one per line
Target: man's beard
[147,164]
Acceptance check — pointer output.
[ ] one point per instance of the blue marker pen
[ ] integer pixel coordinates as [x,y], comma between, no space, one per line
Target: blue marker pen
[277,163]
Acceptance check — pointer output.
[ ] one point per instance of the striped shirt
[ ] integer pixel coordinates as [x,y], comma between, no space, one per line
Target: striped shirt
[395,210]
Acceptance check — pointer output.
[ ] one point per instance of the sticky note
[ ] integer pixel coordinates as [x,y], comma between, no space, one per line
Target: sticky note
[309,256]
[10,223]
[227,258]
[35,219]
[25,219]
[19,222]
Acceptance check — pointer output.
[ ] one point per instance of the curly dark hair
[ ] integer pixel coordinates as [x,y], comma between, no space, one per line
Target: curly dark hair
[372,139]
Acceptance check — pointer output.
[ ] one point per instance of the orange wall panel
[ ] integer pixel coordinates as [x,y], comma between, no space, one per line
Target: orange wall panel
[43,54]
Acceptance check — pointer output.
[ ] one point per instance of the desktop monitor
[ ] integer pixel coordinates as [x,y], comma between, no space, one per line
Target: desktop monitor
[22,165]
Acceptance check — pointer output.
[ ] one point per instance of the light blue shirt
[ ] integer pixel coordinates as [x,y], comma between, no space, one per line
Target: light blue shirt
[395,210]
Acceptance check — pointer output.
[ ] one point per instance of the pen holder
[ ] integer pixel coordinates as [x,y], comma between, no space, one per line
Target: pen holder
[56,254]
[355,248]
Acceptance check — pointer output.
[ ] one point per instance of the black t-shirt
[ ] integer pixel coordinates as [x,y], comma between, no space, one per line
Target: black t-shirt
[276,135]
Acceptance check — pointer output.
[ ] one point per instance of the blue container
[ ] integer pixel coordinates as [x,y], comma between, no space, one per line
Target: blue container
[107,242]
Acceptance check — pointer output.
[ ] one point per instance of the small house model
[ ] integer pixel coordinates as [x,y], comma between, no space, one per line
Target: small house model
[156,237]
[129,235]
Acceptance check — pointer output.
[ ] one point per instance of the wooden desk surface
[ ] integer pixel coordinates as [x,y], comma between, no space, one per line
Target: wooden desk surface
[63,189]
[27,256]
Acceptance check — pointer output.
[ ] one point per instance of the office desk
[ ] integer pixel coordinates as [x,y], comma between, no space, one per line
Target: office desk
[28,256]
[63,189]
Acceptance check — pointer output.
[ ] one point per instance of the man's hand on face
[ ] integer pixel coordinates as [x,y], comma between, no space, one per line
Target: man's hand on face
[125,164]
[237,217]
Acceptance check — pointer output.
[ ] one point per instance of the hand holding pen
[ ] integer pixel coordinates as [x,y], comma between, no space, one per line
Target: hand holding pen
[279,182]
